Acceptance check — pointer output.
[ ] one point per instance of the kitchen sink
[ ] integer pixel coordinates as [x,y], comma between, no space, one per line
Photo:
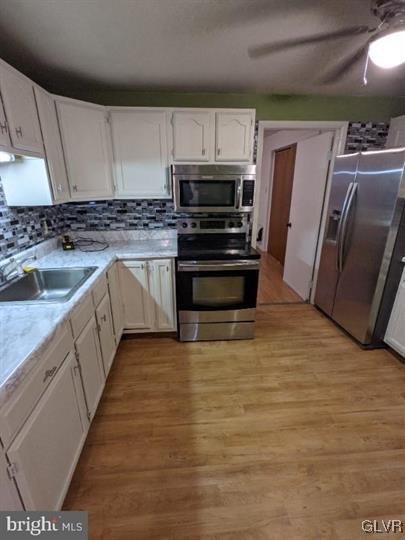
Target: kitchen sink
[46,285]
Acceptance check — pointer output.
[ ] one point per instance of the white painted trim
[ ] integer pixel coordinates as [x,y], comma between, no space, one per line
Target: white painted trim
[340,129]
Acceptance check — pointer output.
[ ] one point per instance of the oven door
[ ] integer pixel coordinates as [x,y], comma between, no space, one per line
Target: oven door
[217,290]
[199,194]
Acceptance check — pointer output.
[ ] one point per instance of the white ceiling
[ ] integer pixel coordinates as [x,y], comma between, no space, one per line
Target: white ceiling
[185,45]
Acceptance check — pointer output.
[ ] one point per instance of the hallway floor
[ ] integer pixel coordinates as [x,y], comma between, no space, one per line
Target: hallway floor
[297,434]
[272,288]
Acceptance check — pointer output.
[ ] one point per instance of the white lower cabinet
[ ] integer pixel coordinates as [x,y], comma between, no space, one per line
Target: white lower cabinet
[147,289]
[134,281]
[45,452]
[117,307]
[106,332]
[91,365]
[395,335]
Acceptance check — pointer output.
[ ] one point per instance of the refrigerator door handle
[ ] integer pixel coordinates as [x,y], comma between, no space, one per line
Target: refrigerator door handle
[342,240]
[340,226]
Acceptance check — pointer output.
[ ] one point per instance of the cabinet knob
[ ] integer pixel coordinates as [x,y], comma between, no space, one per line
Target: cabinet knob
[19,131]
[218,151]
[74,187]
[60,188]
[203,152]
[104,318]
[3,127]
[49,373]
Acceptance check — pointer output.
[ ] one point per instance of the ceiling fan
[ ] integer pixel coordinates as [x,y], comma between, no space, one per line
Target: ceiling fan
[385,46]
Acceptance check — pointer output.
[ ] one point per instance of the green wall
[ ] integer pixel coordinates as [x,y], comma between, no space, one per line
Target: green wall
[268,106]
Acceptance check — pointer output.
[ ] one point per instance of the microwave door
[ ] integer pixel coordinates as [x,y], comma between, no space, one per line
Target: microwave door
[207,195]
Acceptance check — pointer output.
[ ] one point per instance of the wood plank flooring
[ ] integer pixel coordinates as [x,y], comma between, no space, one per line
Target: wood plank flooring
[298,434]
[272,288]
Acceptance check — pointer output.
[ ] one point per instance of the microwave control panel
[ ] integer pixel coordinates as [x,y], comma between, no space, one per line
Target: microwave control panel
[248,192]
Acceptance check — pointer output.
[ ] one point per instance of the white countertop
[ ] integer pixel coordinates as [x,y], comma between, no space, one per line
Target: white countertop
[27,329]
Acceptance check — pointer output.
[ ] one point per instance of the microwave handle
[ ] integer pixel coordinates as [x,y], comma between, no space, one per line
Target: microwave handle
[238,193]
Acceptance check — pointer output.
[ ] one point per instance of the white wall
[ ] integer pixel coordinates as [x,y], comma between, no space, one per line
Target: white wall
[272,141]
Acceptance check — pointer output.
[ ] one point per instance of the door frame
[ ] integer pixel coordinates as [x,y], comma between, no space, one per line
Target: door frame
[339,141]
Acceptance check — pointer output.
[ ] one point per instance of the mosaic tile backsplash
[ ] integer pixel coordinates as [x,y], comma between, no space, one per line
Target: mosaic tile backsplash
[21,228]
[362,136]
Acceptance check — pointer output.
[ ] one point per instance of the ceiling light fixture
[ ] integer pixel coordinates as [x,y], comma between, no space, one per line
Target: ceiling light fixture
[388,51]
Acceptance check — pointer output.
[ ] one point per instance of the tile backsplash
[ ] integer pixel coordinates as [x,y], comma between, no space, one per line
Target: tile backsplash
[21,228]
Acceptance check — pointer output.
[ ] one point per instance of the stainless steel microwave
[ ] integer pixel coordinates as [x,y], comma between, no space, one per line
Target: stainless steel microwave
[213,188]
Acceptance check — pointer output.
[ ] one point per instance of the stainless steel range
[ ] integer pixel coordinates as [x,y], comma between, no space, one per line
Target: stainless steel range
[217,278]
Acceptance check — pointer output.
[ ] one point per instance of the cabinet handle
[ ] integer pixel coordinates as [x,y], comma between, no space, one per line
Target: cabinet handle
[60,188]
[49,373]
[3,127]
[74,187]
[218,151]
[203,152]
[104,317]
[19,131]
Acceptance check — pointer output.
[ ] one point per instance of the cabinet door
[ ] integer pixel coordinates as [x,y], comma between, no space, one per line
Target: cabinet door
[106,332]
[134,282]
[234,136]
[191,133]
[140,154]
[21,111]
[86,147]
[46,450]
[162,293]
[91,365]
[53,145]
[4,129]
[116,302]
[396,132]
[395,336]
[9,498]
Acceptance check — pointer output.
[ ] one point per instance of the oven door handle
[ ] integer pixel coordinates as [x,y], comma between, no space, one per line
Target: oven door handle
[217,266]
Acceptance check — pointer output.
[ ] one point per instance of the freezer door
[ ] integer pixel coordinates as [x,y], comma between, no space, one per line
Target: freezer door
[342,181]
[365,231]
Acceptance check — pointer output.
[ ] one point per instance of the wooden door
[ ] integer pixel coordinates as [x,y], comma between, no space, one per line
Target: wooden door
[46,450]
[191,135]
[283,177]
[162,293]
[140,154]
[21,111]
[86,145]
[91,365]
[53,145]
[106,332]
[234,136]
[134,282]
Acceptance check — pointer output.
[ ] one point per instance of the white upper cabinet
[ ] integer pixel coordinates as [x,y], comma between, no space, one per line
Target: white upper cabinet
[234,136]
[19,103]
[192,135]
[140,154]
[86,144]
[53,145]
[4,131]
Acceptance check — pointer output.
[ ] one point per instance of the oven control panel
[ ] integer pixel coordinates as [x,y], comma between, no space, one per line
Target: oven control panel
[238,224]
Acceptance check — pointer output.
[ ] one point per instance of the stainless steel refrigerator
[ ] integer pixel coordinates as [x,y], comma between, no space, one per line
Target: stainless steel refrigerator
[361,253]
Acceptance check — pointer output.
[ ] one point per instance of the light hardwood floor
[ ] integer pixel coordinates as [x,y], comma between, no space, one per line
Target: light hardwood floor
[298,434]
[272,288]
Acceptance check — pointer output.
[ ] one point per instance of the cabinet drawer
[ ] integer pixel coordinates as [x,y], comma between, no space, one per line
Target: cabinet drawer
[18,408]
[99,290]
[81,315]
